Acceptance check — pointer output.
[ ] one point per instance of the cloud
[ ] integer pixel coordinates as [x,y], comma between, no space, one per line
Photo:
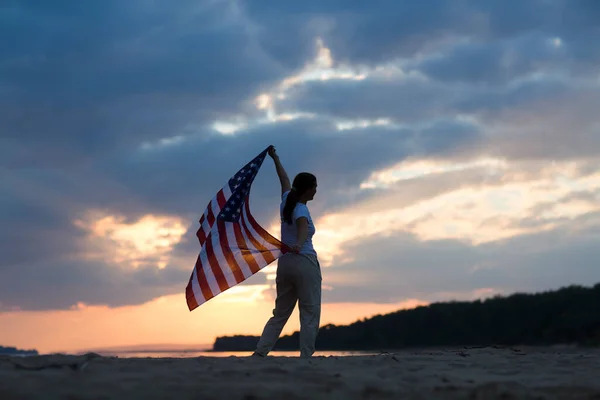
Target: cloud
[495,63]
[173,183]
[384,30]
[80,81]
[479,202]
[374,32]
[63,283]
[453,131]
[440,270]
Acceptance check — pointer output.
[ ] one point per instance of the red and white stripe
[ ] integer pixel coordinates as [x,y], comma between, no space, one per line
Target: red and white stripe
[231,252]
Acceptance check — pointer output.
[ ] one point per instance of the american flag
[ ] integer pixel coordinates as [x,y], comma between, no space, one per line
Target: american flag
[233,245]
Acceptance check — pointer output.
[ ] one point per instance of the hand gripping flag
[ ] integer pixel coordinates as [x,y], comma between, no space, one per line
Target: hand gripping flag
[233,245]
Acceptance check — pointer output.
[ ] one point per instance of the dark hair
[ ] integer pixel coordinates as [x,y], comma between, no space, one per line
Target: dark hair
[302,182]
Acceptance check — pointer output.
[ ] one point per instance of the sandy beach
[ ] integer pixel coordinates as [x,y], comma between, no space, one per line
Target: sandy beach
[472,373]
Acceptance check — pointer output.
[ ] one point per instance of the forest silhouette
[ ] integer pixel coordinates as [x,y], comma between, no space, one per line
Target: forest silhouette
[569,315]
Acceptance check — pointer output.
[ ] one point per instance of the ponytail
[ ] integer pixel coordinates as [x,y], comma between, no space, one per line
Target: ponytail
[290,204]
[302,182]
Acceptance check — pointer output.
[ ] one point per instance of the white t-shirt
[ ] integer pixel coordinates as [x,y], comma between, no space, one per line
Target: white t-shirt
[289,232]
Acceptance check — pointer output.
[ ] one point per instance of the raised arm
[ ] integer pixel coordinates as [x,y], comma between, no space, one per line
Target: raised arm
[283,177]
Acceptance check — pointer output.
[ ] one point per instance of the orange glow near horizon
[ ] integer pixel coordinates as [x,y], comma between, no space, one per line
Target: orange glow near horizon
[165,320]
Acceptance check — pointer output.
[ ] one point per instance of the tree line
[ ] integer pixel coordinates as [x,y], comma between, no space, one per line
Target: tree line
[13,351]
[569,315]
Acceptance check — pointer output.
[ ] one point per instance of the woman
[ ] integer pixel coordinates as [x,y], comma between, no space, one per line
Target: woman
[298,272]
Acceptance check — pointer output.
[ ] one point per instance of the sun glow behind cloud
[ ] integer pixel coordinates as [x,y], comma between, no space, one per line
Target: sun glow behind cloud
[146,241]
[321,68]
[421,168]
[504,200]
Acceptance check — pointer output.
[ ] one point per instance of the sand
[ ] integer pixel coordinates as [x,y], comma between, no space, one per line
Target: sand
[462,373]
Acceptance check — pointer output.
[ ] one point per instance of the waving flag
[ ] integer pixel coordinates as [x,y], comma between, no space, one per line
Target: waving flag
[233,245]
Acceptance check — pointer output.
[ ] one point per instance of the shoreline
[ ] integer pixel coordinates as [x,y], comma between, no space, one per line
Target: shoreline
[335,352]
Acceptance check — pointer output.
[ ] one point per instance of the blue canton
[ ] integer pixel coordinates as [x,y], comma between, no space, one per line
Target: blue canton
[240,187]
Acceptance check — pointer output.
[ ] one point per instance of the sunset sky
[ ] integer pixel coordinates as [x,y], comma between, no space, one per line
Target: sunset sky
[456,145]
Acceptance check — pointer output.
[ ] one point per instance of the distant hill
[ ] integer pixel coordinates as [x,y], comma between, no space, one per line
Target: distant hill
[568,315]
[13,351]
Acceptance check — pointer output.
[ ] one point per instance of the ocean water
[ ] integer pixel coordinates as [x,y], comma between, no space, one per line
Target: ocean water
[196,353]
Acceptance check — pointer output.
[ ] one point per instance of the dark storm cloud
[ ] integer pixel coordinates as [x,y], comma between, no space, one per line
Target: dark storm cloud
[495,63]
[387,29]
[79,80]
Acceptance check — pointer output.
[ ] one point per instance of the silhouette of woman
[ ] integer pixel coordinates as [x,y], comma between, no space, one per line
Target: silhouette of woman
[298,272]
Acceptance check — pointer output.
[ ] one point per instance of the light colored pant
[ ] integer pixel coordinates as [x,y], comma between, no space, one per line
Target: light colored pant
[298,279]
